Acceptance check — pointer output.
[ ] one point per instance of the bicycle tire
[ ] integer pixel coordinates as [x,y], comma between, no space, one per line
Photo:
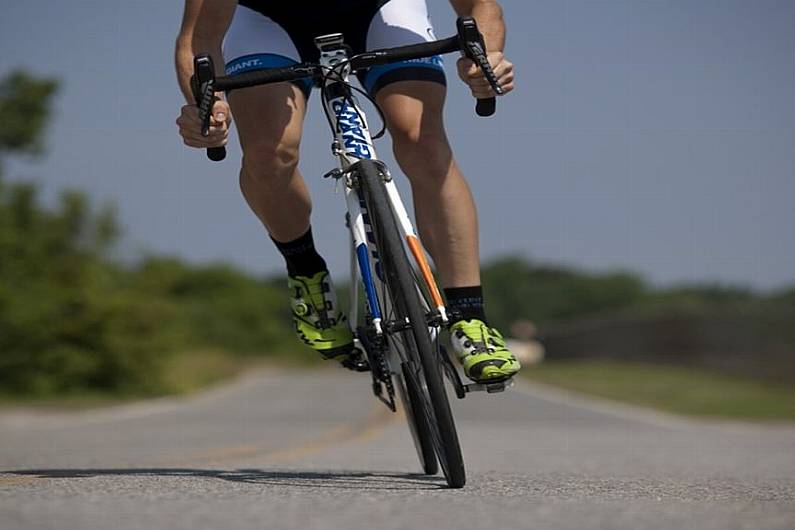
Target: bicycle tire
[425,365]
[418,424]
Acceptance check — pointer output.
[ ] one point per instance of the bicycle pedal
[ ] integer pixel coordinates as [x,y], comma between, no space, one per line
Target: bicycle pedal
[490,388]
[335,174]
[356,363]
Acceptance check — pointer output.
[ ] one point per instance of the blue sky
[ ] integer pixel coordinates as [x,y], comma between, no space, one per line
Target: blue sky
[650,135]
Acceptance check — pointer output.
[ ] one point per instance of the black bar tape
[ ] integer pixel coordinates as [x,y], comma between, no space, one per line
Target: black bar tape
[264,77]
[403,53]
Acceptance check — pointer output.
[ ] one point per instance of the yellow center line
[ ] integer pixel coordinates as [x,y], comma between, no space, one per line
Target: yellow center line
[15,480]
[370,429]
[376,422]
[367,430]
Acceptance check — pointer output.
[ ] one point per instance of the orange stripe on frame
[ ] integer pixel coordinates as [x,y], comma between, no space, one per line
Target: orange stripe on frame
[419,257]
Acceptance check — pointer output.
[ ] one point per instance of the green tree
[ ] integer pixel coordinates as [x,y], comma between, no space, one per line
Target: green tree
[72,319]
[25,108]
[518,289]
[65,321]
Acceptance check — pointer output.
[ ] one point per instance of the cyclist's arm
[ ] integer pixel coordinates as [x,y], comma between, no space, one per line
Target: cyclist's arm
[204,24]
[211,24]
[183,51]
[488,15]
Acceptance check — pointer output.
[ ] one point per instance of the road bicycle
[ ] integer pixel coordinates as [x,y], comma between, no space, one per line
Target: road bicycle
[398,326]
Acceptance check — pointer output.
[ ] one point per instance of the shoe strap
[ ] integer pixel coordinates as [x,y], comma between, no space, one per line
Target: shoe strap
[315,295]
[490,339]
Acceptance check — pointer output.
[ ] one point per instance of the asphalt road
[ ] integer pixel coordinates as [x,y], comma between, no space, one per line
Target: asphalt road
[313,450]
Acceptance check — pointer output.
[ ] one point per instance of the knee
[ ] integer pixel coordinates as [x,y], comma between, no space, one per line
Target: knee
[270,163]
[423,152]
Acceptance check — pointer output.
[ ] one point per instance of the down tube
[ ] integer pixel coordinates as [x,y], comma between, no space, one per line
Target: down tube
[363,256]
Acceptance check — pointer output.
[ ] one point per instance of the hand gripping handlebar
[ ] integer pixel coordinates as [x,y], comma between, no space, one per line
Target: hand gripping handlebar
[473,47]
[203,85]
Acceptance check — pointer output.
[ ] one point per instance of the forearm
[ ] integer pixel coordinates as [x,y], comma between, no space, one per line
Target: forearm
[211,47]
[211,26]
[203,27]
[488,15]
[188,47]
[183,60]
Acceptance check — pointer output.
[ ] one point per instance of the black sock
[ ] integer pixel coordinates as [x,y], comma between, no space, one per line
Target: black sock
[301,257]
[467,301]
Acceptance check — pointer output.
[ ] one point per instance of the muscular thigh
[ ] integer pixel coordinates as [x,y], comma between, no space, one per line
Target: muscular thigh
[268,117]
[413,110]
[411,93]
[400,23]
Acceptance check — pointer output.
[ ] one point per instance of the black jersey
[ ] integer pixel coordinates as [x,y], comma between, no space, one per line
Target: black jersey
[271,33]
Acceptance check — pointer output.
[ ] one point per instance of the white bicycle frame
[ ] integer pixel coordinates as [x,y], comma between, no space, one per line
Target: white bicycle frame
[353,143]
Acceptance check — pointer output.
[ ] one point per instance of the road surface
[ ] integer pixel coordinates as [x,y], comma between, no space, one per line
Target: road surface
[313,450]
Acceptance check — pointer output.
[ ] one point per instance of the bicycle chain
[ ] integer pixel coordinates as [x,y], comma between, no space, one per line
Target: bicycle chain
[375,349]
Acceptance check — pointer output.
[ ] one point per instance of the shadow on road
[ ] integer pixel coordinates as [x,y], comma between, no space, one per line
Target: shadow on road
[356,480]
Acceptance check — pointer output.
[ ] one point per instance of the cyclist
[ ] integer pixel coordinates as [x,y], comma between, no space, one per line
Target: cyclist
[254,34]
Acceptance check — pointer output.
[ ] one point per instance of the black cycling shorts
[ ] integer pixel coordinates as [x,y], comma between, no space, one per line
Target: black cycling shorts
[268,33]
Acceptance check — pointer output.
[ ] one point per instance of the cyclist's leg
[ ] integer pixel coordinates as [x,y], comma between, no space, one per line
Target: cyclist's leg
[446,212]
[269,122]
[446,219]
[412,98]
[412,95]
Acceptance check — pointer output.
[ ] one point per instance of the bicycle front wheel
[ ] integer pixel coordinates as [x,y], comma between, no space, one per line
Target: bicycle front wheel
[409,332]
[418,423]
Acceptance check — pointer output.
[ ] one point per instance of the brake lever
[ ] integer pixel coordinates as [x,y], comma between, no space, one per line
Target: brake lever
[202,85]
[475,49]
[485,106]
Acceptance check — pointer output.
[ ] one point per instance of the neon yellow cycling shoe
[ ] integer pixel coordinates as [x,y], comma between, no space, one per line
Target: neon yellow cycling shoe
[318,321]
[482,351]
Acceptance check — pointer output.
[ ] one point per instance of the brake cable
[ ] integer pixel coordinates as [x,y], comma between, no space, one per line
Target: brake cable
[327,73]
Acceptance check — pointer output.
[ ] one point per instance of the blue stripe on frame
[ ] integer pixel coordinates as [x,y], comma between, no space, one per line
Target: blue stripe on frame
[367,280]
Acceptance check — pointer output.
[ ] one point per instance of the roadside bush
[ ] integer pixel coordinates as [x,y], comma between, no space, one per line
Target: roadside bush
[65,322]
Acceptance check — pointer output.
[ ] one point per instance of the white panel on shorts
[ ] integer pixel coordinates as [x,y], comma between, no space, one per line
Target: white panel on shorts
[400,22]
[253,33]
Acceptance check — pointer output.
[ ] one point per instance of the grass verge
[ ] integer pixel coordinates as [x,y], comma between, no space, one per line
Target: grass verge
[675,389]
[183,373]
[191,371]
